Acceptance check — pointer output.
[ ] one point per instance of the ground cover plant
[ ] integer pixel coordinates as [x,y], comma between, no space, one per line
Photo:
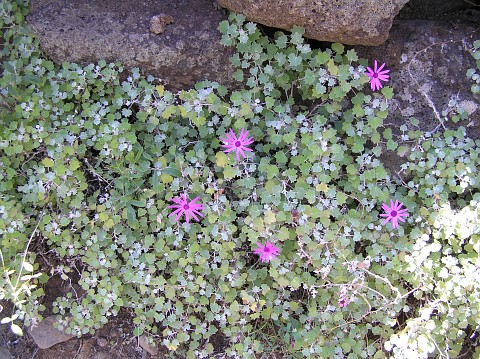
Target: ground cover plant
[264,214]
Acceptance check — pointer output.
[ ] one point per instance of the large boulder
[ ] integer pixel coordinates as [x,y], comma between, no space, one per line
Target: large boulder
[176,40]
[352,22]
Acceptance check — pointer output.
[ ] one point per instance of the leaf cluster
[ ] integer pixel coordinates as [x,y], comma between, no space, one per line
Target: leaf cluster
[90,163]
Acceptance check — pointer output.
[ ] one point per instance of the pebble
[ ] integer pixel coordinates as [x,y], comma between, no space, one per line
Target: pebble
[102,342]
[101,355]
[142,341]
[46,335]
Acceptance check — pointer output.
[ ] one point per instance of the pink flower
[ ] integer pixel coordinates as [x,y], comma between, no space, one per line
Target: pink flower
[232,143]
[377,75]
[183,206]
[267,252]
[343,302]
[394,213]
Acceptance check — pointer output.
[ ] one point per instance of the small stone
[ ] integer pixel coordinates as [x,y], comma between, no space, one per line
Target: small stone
[158,23]
[102,342]
[142,340]
[101,355]
[46,335]
[5,354]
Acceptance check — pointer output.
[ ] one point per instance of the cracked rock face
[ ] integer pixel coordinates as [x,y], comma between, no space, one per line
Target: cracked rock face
[428,61]
[351,22]
[183,48]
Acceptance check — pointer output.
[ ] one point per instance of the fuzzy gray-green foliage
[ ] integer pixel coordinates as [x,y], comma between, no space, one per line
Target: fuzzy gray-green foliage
[89,164]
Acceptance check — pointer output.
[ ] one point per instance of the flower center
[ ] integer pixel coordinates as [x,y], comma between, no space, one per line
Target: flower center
[375,75]
[393,213]
[186,207]
[238,144]
[266,249]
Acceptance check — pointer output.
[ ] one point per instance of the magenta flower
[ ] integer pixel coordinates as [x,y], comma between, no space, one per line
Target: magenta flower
[377,75]
[183,206]
[266,252]
[239,145]
[343,302]
[394,213]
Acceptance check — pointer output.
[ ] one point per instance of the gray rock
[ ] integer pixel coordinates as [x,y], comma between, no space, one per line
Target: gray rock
[350,22]
[101,355]
[5,354]
[46,335]
[428,62]
[175,40]
[466,10]
[142,341]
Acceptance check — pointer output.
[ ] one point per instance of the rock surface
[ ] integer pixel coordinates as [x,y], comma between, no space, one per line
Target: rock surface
[464,10]
[428,61]
[85,350]
[46,335]
[353,22]
[185,50]
[142,341]
[5,354]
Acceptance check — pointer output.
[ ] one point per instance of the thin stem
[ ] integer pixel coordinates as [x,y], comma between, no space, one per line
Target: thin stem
[26,249]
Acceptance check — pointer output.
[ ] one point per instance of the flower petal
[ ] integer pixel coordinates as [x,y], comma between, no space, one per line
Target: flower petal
[229,150]
[385,207]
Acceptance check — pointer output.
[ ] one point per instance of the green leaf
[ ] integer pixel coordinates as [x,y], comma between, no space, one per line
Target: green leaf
[351,55]
[138,331]
[238,75]
[199,121]
[294,60]
[6,320]
[358,111]
[28,267]
[281,158]
[391,145]
[270,217]
[309,77]
[48,162]
[136,203]
[281,41]
[289,137]
[320,89]
[221,159]
[341,198]
[322,58]
[338,48]
[171,171]
[281,58]
[297,35]
[387,92]
[228,172]
[16,329]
